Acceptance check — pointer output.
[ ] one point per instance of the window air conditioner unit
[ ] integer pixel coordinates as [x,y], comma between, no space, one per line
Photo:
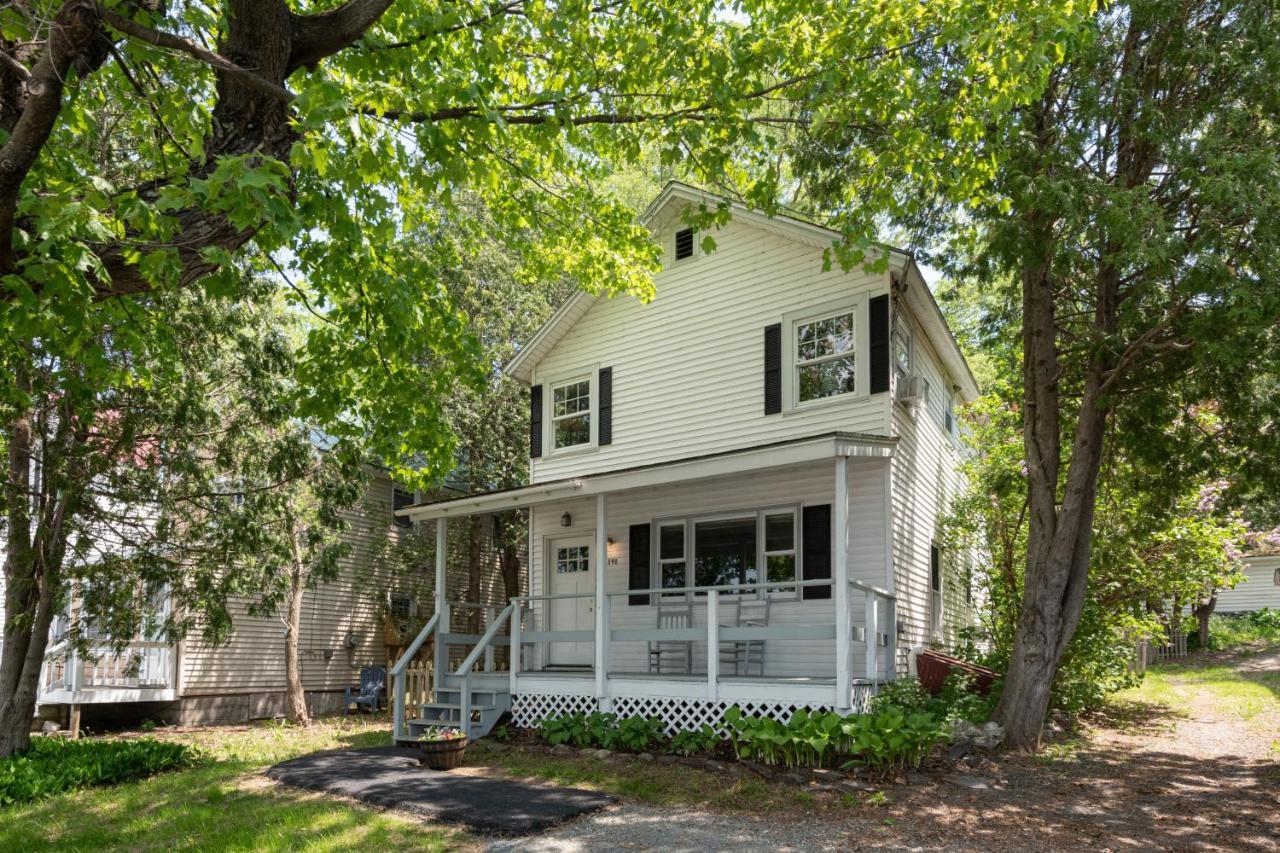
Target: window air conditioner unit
[915,390]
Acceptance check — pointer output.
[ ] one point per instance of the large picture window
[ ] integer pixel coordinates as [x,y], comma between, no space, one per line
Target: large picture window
[750,547]
[724,552]
[571,414]
[825,357]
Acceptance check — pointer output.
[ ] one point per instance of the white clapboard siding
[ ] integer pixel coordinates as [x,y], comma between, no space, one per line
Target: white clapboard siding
[803,485]
[925,480]
[1259,590]
[688,366]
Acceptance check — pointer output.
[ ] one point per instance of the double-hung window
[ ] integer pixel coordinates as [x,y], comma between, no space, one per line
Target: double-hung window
[901,355]
[671,557]
[780,548]
[824,356]
[571,414]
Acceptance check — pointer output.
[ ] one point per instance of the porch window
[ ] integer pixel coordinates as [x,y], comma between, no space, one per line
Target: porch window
[780,548]
[671,559]
[571,414]
[725,552]
[825,357]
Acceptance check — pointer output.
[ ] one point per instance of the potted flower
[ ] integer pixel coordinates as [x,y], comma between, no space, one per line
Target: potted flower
[442,749]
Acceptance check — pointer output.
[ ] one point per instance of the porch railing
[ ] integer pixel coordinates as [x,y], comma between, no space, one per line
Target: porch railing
[879,623]
[139,665]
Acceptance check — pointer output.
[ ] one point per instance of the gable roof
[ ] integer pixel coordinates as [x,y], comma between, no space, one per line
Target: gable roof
[674,196]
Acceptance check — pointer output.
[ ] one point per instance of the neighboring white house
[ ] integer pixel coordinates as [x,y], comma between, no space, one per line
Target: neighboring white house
[189,682]
[1261,587]
[736,490]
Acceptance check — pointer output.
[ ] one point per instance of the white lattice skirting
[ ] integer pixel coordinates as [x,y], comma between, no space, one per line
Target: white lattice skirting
[529,709]
[677,715]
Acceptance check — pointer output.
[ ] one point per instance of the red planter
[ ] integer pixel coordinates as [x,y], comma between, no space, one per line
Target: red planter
[443,754]
[932,668]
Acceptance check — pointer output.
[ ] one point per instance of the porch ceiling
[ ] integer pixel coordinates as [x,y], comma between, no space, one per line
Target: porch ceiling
[761,457]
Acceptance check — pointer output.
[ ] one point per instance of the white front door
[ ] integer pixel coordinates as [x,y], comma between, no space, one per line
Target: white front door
[572,569]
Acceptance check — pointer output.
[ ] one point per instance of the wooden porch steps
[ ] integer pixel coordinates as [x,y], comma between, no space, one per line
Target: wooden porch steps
[488,704]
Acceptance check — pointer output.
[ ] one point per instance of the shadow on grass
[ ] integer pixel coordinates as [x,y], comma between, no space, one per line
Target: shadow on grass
[217,806]
[1135,715]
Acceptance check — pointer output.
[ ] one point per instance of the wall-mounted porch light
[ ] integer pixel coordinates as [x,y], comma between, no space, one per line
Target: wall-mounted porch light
[566,520]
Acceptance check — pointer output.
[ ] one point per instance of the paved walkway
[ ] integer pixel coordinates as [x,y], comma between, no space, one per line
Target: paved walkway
[391,777]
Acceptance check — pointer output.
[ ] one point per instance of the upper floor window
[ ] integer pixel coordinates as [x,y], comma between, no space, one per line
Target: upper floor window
[571,414]
[901,352]
[825,357]
[401,498]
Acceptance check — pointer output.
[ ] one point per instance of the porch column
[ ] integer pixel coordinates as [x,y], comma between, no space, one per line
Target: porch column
[602,604]
[442,601]
[840,574]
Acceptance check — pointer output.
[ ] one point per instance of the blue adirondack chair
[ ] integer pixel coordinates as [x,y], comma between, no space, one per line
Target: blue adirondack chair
[371,693]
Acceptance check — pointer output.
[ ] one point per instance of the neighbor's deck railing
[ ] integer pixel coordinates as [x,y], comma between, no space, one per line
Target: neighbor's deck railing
[139,665]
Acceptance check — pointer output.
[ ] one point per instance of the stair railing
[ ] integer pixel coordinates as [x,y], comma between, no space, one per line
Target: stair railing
[397,674]
[464,671]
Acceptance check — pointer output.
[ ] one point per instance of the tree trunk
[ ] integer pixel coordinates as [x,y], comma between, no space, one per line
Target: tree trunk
[295,696]
[1202,612]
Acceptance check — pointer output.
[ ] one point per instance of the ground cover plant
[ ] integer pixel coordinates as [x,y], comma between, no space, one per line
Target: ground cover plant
[900,729]
[56,765]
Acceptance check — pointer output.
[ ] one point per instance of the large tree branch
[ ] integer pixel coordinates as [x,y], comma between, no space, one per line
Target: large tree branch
[72,37]
[168,40]
[318,36]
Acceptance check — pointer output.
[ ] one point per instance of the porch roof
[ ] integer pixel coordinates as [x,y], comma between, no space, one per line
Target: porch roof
[776,454]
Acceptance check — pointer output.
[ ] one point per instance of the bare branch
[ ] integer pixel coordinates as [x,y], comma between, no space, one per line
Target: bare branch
[318,36]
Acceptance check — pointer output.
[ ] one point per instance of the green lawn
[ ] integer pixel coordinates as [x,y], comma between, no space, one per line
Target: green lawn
[1250,695]
[225,804]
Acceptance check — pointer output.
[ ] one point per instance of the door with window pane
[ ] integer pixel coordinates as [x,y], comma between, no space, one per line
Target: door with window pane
[572,570]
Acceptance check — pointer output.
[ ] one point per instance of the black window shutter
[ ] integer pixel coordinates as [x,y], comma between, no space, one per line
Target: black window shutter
[605,430]
[879,308]
[816,529]
[773,369]
[638,558]
[684,244]
[535,421]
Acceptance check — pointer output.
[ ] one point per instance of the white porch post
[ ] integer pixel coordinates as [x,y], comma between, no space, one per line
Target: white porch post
[602,605]
[713,645]
[873,637]
[442,600]
[844,631]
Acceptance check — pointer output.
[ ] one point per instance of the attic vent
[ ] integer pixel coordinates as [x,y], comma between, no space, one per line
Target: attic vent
[684,244]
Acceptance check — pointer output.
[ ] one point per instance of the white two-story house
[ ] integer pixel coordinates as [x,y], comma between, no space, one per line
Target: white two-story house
[736,490]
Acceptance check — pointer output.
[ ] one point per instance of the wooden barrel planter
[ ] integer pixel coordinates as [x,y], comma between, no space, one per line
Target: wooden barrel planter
[443,754]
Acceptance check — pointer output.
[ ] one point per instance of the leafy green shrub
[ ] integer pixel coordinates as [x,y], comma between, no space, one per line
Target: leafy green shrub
[1231,630]
[695,741]
[566,728]
[639,733]
[888,738]
[891,738]
[957,701]
[602,730]
[56,765]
